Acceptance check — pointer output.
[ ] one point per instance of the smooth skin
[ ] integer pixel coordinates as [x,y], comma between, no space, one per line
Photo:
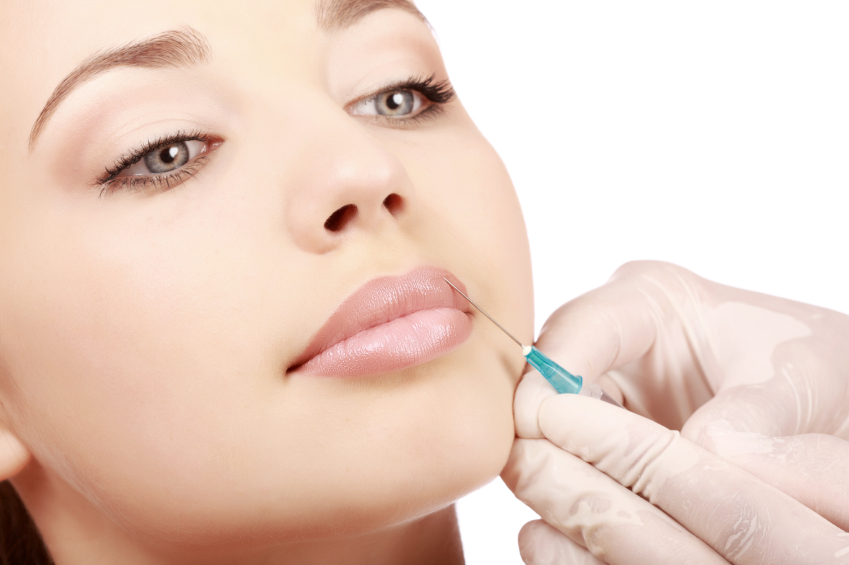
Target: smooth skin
[147,415]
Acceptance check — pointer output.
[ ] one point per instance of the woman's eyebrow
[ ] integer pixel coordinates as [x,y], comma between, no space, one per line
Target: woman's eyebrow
[175,48]
[336,14]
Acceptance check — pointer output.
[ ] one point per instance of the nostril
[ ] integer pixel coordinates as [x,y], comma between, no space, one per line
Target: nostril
[393,203]
[340,218]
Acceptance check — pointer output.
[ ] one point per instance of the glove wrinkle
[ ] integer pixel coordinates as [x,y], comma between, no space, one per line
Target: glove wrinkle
[595,512]
[741,517]
[812,468]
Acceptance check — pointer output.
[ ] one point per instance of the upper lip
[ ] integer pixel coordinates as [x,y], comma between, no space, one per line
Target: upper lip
[382,300]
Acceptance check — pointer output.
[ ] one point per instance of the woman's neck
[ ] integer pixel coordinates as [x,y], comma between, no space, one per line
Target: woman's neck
[432,539]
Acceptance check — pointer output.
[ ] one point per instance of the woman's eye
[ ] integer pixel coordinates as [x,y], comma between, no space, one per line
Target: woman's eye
[166,158]
[395,103]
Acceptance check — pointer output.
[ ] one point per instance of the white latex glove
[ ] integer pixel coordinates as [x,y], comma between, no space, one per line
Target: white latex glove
[760,381]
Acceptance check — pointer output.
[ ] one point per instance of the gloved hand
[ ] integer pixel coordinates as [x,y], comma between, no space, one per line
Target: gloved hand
[761,382]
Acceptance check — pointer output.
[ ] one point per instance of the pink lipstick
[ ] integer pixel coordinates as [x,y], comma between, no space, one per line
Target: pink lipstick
[389,324]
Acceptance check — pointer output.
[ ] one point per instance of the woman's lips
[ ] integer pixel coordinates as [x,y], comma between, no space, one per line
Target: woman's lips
[389,324]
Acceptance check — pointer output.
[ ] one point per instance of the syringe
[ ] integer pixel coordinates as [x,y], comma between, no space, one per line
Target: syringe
[562,380]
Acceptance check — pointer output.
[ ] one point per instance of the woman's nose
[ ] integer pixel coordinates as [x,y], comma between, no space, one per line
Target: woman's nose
[347,184]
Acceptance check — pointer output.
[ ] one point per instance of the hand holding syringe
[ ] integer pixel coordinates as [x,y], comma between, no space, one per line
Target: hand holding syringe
[756,384]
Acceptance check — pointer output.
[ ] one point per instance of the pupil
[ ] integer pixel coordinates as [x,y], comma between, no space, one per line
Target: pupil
[169,154]
[395,101]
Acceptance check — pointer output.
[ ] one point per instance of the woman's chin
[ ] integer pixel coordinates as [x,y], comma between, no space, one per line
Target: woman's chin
[368,454]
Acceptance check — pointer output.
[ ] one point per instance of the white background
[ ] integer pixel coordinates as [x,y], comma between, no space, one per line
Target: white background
[712,134]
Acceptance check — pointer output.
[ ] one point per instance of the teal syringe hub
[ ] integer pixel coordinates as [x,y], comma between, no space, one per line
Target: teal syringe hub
[562,380]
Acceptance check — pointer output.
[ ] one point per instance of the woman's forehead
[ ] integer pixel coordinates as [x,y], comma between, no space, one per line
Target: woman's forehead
[39,33]
[51,48]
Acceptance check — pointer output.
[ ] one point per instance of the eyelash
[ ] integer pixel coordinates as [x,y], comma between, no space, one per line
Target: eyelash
[110,182]
[437,93]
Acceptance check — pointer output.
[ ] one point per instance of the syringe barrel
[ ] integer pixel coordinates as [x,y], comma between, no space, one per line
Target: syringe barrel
[562,380]
[594,391]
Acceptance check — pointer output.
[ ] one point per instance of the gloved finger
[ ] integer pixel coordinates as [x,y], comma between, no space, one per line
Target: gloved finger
[594,511]
[602,329]
[532,390]
[745,425]
[541,544]
[763,409]
[642,323]
[744,519]
[801,398]
[812,468]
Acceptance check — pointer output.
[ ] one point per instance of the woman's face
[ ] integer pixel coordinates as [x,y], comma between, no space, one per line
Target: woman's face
[170,258]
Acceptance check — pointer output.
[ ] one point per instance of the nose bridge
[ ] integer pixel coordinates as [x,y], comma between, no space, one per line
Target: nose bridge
[346,181]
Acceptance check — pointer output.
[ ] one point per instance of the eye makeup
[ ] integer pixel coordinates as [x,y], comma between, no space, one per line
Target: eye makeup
[431,96]
[113,180]
[436,94]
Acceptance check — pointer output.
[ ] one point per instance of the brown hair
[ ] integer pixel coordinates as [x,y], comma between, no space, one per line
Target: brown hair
[20,542]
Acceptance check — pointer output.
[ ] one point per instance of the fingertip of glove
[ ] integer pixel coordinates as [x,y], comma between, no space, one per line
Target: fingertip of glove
[542,544]
[532,391]
[529,543]
[527,465]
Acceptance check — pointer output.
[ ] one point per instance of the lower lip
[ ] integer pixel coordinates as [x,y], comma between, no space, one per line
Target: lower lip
[403,342]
